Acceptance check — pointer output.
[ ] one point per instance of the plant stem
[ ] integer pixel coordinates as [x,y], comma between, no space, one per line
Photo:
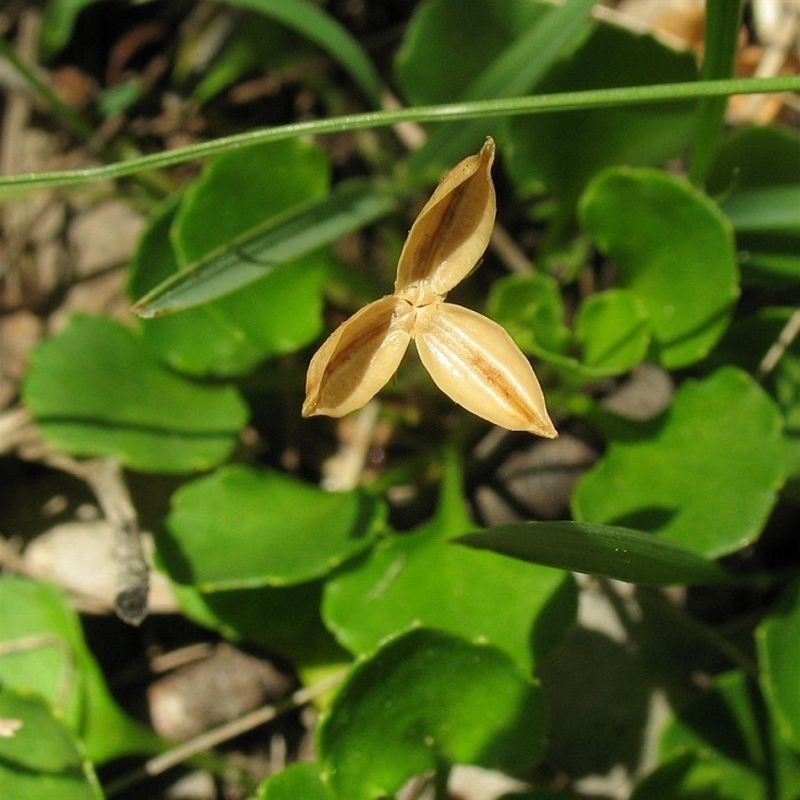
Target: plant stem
[564,101]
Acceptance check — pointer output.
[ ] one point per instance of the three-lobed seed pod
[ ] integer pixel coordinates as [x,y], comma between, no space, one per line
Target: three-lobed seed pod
[471,358]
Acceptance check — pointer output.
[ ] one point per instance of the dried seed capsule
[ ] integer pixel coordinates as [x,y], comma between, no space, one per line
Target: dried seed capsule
[358,358]
[470,358]
[451,232]
[476,363]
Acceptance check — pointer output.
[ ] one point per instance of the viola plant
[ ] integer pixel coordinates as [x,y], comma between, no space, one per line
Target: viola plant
[429,606]
[471,358]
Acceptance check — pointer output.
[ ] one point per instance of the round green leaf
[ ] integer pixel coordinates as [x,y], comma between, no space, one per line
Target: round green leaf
[240,528]
[42,759]
[531,308]
[422,700]
[45,653]
[705,476]
[778,639]
[296,782]
[97,390]
[561,152]
[278,313]
[675,252]
[614,330]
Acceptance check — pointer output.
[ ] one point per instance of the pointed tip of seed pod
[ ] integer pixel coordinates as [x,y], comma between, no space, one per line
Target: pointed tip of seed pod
[544,427]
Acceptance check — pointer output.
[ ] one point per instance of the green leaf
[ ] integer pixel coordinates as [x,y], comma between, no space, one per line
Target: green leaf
[249,258]
[745,345]
[293,783]
[620,553]
[95,389]
[421,577]
[42,759]
[45,653]
[705,476]
[562,152]
[614,328]
[777,638]
[425,699]
[531,308]
[527,45]
[240,528]
[315,24]
[687,282]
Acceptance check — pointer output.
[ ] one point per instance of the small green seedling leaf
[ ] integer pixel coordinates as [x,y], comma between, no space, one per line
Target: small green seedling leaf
[240,528]
[531,308]
[706,477]
[615,552]
[614,330]
[675,252]
[41,758]
[96,389]
[423,700]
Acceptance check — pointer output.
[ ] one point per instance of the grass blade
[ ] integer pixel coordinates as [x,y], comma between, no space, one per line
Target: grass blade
[350,206]
[615,552]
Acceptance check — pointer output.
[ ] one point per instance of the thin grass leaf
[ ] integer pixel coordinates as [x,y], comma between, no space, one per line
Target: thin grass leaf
[620,553]
[314,24]
[349,207]
[449,112]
